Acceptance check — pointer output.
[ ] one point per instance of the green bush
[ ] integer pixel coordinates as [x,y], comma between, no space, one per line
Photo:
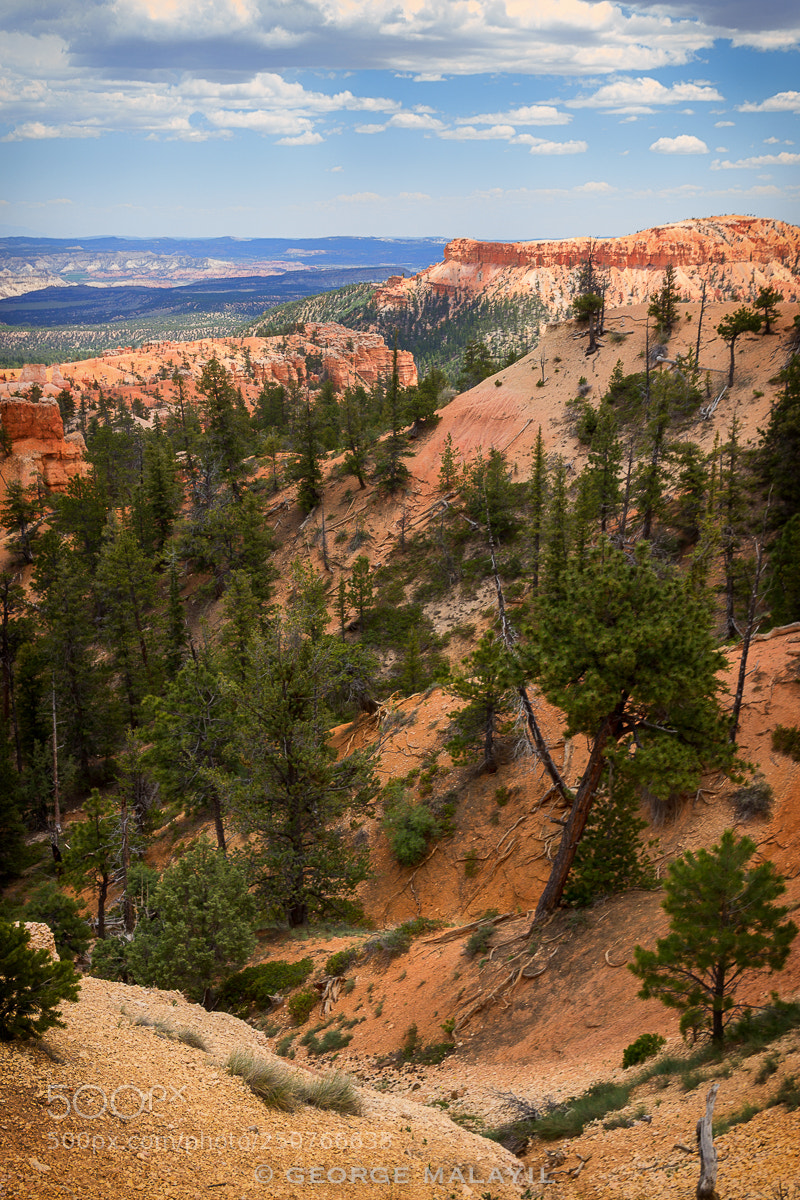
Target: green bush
[754,800]
[300,1005]
[65,917]
[646,1046]
[32,985]
[109,960]
[257,985]
[410,828]
[478,941]
[786,740]
[332,1039]
[338,963]
[266,1079]
[398,940]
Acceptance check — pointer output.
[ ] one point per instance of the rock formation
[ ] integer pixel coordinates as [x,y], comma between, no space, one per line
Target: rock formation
[733,255]
[39,447]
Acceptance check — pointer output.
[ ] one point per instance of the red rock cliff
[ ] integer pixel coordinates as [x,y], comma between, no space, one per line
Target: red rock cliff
[38,446]
[734,255]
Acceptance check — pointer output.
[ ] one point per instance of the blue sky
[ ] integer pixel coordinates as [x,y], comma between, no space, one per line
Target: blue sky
[495,119]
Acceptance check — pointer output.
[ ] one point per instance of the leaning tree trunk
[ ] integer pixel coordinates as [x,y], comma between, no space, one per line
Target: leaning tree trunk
[579,814]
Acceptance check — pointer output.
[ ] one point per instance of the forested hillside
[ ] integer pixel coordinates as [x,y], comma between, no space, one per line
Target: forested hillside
[292,657]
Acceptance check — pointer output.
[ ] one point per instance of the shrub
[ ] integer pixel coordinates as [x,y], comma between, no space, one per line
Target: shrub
[109,960]
[646,1046]
[398,940]
[478,941]
[257,985]
[754,800]
[786,740]
[300,1005]
[338,963]
[68,921]
[190,1038]
[410,828]
[332,1039]
[32,985]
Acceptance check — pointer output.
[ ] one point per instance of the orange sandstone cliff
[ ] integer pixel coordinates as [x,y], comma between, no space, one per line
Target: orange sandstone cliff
[733,255]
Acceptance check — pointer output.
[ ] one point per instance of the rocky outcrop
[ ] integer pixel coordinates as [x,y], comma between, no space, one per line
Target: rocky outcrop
[329,351]
[41,938]
[39,449]
[733,255]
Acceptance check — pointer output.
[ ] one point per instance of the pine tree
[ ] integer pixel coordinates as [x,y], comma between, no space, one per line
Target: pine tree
[610,857]
[289,791]
[723,923]
[202,928]
[557,533]
[664,308]
[537,497]
[93,856]
[603,466]
[226,439]
[448,469]
[767,301]
[626,650]
[744,320]
[488,685]
[305,467]
[20,518]
[361,589]
[783,593]
[390,472]
[32,986]
[777,457]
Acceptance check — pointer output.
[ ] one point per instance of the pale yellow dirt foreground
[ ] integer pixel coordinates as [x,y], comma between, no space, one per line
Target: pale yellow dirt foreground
[187,1128]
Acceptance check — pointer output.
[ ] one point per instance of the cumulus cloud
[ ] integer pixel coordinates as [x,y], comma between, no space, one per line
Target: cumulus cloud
[542,146]
[597,187]
[468,133]
[784,159]
[684,143]
[527,114]
[639,95]
[724,124]
[780,102]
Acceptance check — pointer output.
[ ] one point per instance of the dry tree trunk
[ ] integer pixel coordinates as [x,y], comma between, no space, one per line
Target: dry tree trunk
[707,1184]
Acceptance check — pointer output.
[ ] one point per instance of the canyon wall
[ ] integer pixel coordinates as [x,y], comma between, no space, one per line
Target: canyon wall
[733,255]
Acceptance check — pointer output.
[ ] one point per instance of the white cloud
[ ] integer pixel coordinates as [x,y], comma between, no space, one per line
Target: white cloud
[784,159]
[370,128]
[360,198]
[527,114]
[638,95]
[542,146]
[772,141]
[37,131]
[720,149]
[302,139]
[468,133]
[780,102]
[724,124]
[419,121]
[597,187]
[684,143]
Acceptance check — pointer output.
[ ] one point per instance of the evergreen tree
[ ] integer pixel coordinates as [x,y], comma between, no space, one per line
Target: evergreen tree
[723,923]
[289,791]
[476,365]
[692,480]
[603,466]
[626,651]
[355,434]
[744,320]
[94,853]
[537,491]
[488,685]
[176,634]
[487,494]
[202,927]
[557,543]
[81,511]
[390,472]
[64,916]
[189,731]
[731,514]
[422,401]
[651,474]
[20,517]
[12,829]
[305,467]
[32,986]
[448,470]
[777,457]
[767,302]
[127,593]
[361,589]
[226,440]
[587,309]
[610,857]
[664,308]
[158,500]
[783,593]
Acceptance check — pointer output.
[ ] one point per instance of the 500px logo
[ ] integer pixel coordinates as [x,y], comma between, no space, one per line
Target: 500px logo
[91,1101]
